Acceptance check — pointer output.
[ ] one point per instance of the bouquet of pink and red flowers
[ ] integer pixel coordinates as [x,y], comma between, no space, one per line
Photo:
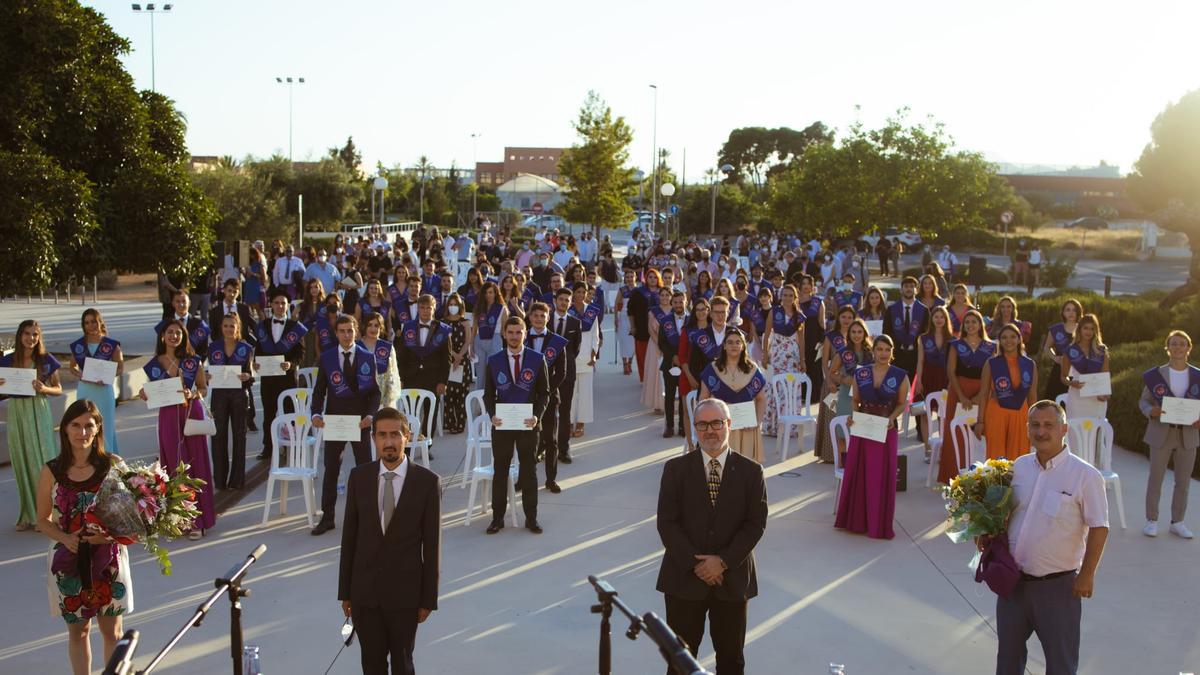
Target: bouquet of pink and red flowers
[142,502]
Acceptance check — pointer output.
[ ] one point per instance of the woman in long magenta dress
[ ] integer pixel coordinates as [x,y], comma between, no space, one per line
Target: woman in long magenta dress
[174,357]
[867,504]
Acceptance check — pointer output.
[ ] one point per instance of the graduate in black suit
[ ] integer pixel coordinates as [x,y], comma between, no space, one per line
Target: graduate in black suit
[198,329]
[569,327]
[712,510]
[553,347]
[391,542]
[515,375]
[670,332]
[278,335]
[345,386]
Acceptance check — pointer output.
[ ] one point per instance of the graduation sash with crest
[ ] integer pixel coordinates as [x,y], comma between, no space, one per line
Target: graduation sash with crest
[188,369]
[242,354]
[906,334]
[1011,389]
[293,332]
[411,334]
[382,354]
[1087,362]
[520,391]
[553,346]
[364,370]
[1159,387]
[105,350]
[718,388]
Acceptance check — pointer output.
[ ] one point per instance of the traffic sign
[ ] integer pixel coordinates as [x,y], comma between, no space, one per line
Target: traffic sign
[674,209]
[537,208]
[1006,217]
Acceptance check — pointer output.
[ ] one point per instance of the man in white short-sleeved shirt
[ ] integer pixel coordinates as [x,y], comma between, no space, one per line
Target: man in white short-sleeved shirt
[1057,535]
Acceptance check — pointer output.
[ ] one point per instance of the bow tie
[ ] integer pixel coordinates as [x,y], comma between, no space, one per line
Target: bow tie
[425,325]
[279,321]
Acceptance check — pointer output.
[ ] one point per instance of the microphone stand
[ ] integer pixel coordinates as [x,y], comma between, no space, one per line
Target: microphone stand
[231,583]
[673,649]
[121,661]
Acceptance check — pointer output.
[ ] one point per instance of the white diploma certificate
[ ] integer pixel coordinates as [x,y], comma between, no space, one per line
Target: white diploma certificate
[99,370]
[875,328]
[17,381]
[870,427]
[742,415]
[456,374]
[224,377]
[1179,410]
[1095,384]
[513,415]
[341,428]
[270,366]
[162,393]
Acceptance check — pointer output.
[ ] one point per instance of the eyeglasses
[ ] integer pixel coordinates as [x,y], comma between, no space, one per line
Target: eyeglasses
[714,425]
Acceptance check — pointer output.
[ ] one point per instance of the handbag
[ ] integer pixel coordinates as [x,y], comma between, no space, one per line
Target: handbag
[205,426]
[997,567]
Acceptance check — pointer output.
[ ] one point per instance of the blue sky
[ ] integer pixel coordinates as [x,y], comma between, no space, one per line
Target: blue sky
[1054,82]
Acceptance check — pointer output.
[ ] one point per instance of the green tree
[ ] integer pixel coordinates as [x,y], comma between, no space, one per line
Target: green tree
[734,208]
[350,158]
[759,152]
[330,193]
[247,205]
[596,173]
[1166,179]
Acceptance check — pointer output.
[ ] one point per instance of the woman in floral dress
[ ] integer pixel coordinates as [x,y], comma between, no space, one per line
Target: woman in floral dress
[455,421]
[79,591]
[784,338]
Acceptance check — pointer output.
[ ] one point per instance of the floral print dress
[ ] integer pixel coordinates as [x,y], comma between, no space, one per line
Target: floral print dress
[94,581]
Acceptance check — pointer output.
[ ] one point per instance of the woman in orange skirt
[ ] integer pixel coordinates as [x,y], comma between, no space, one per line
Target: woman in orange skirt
[1009,388]
[968,354]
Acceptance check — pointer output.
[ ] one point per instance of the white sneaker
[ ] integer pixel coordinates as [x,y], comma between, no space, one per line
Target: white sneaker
[1180,530]
[1151,528]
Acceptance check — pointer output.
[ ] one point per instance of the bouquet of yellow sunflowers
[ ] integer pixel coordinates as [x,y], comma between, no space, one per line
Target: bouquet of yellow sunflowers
[979,501]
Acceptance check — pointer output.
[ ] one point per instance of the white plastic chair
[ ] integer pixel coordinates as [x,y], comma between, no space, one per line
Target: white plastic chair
[475,410]
[298,401]
[1091,439]
[838,426]
[418,448]
[966,447]
[484,472]
[690,401]
[1061,400]
[793,410]
[308,377]
[935,408]
[293,434]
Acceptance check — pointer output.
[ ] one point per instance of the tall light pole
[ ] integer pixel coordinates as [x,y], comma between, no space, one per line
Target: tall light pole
[717,177]
[289,81]
[152,10]
[475,173]
[668,189]
[424,176]
[654,164]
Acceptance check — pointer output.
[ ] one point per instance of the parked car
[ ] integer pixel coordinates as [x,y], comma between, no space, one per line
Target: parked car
[550,222]
[906,237]
[644,221]
[1088,223]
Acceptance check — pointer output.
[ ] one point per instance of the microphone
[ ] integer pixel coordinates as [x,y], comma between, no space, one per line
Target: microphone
[672,646]
[121,662]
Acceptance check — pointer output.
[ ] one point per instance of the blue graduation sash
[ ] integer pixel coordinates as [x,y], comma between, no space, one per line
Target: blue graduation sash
[704,340]
[197,330]
[1084,362]
[932,353]
[1159,387]
[487,322]
[843,298]
[364,370]
[955,322]
[397,294]
[242,353]
[411,334]
[402,311]
[382,353]
[325,337]
[520,391]
[1060,338]
[666,323]
[718,388]
[292,334]
[470,296]
[977,357]
[528,295]
[781,325]
[365,305]
[589,315]
[553,346]
[888,391]
[105,350]
[1011,394]
[188,369]
[845,354]
[906,335]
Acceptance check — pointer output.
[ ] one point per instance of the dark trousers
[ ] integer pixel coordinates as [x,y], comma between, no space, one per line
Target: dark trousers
[503,445]
[883,264]
[384,632]
[1048,608]
[249,401]
[727,628]
[566,395]
[229,410]
[271,386]
[548,437]
[333,469]
[907,359]
[670,393]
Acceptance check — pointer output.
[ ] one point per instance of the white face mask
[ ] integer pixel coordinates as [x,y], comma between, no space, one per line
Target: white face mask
[452,310]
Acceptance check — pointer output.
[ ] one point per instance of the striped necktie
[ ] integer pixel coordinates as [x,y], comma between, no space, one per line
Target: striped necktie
[714,480]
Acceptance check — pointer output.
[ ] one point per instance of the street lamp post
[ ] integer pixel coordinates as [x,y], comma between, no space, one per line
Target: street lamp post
[475,174]
[725,169]
[152,10]
[667,191]
[654,164]
[380,184]
[289,81]
[424,176]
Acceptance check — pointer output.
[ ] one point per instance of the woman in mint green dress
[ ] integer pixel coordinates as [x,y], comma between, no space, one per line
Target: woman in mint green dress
[30,426]
[95,344]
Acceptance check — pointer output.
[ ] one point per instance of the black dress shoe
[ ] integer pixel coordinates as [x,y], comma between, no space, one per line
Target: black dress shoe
[565,458]
[553,487]
[668,434]
[251,426]
[322,527]
[681,434]
[495,527]
[265,454]
[532,526]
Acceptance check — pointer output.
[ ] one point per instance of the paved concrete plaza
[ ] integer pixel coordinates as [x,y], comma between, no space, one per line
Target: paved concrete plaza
[516,603]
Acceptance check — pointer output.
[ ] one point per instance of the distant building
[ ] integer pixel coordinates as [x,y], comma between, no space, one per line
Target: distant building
[1080,195]
[523,191]
[535,161]
[203,162]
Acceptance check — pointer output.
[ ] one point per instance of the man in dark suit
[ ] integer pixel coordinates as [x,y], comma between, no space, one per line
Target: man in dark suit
[229,304]
[423,350]
[345,386]
[388,578]
[669,335]
[278,336]
[553,347]
[515,375]
[712,510]
[562,323]
[198,329]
